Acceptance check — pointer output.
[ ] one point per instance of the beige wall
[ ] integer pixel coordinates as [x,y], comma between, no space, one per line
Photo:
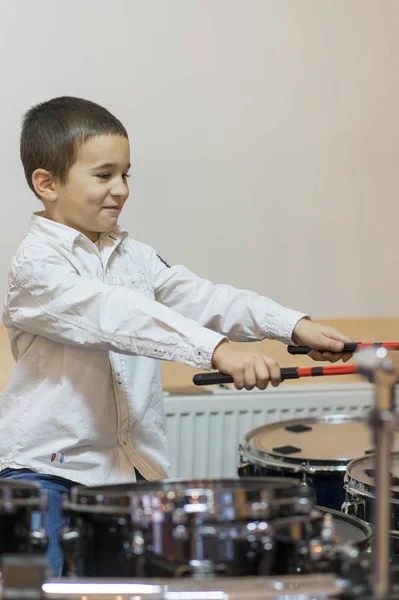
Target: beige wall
[264,134]
[178,378]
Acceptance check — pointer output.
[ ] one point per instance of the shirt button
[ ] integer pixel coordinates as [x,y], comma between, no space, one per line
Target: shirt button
[198,357]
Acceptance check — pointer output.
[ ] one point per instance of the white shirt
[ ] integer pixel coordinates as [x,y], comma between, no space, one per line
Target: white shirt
[88,324]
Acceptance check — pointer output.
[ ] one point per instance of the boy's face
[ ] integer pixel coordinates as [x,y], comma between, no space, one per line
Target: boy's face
[96,188]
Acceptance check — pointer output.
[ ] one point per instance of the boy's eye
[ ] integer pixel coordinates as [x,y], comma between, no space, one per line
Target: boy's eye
[105,176]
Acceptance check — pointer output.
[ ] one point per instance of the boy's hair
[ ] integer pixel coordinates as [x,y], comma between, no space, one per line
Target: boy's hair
[53,133]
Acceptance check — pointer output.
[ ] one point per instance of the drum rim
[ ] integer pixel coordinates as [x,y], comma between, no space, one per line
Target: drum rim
[363,488]
[270,587]
[167,485]
[114,499]
[10,499]
[294,464]
[21,484]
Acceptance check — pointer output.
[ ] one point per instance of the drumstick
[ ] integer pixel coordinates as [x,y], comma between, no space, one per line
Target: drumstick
[348,347]
[286,373]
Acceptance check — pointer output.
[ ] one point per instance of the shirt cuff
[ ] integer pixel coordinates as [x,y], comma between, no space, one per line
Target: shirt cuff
[204,346]
[284,324]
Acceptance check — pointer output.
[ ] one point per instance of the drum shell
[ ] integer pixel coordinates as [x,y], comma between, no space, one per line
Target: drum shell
[360,497]
[147,537]
[106,549]
[220,526]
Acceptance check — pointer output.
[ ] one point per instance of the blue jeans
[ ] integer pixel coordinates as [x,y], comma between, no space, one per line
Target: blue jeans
[54,521]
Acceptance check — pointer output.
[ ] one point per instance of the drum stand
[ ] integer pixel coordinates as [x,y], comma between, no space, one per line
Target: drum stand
[383,371]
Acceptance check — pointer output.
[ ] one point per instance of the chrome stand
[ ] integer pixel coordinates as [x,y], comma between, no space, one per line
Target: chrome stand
[383,371]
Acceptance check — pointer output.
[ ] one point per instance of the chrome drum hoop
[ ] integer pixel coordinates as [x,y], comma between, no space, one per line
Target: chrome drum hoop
[286,587]
[224,499]
[359,482]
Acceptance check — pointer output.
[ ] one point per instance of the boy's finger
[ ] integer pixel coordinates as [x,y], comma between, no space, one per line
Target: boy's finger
[238,378]
[274,371]
[316,355]
[249,377]
[262,373]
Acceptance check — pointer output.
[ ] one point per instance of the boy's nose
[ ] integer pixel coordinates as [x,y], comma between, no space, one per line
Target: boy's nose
[120,190]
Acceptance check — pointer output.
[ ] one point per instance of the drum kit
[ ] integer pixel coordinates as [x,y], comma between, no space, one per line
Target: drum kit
[314,513]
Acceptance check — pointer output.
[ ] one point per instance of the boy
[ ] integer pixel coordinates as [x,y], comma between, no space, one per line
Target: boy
[88,309]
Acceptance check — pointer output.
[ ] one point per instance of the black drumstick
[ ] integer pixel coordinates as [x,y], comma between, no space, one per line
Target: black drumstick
[348,347]
[286,373]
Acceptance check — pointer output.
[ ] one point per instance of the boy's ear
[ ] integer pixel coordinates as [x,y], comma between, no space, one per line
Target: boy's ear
[44,186]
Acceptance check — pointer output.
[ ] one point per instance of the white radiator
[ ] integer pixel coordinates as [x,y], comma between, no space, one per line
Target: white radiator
[204,431]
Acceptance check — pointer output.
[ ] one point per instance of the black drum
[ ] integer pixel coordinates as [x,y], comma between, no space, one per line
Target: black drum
[20,502]
[361,492]
[199,528]
[315,449]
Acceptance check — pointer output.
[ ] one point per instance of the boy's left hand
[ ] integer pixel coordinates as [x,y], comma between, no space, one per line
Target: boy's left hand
[326,341]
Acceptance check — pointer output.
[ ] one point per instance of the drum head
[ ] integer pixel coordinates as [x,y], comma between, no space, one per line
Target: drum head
[320,443]
[360,476]
[263,497]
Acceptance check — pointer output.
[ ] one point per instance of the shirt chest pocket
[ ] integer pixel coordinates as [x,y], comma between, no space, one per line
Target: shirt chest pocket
[136,281]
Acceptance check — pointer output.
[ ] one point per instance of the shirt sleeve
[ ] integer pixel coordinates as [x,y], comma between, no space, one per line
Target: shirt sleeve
[47,297]
[240,315]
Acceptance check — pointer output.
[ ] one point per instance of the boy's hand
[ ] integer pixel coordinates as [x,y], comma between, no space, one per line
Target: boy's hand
[247,369]
[320,337]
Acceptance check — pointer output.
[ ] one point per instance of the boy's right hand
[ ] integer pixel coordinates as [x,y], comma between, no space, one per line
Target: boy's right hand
[247,369]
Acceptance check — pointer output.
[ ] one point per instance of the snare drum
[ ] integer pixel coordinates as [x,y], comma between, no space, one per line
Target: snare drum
[20,501]
[199,528]
[361,492]
[316,449]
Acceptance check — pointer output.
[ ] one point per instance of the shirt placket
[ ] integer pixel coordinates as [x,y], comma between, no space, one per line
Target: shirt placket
[122,406]
[117,367]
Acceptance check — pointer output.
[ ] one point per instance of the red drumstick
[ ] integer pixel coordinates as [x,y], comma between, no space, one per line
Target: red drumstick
[348,347]
[286,373]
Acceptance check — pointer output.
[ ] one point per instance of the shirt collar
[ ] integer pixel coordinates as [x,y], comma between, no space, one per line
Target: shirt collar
[66,236]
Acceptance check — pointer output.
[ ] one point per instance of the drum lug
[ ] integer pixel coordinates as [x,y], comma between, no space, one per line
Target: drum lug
[306,499]
[244,469]
[70,542]
[321,548]
[328,529]
[202,569]
[38,540]
[354,506]
[138,544]
[180,533]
